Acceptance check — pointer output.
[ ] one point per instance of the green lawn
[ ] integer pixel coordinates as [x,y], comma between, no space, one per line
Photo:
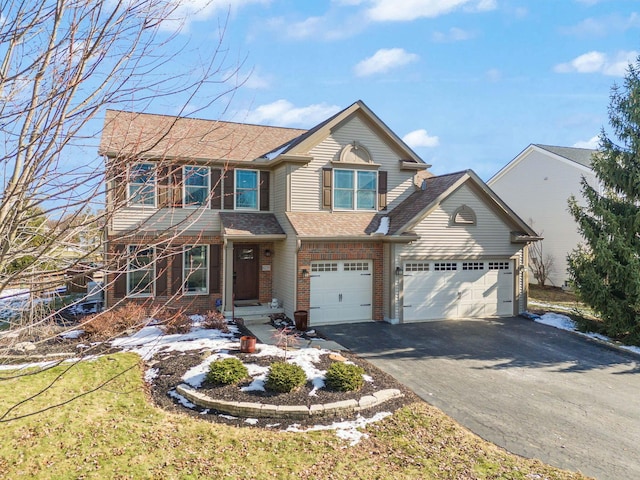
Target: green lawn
[115,432]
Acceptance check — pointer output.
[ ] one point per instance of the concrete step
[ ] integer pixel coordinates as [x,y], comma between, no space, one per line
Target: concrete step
[253,314]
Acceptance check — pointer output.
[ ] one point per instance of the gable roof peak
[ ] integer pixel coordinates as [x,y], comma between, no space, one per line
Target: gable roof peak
[578,155]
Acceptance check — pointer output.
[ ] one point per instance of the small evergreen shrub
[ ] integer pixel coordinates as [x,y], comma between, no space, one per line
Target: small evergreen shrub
[285,377]
[227,371]
[344,377]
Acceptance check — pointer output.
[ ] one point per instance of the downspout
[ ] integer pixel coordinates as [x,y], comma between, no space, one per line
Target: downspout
[295,277]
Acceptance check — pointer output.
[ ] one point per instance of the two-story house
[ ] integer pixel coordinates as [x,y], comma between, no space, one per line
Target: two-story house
[343,220]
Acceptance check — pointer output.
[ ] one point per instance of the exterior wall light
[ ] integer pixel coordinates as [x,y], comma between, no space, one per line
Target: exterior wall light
[305,273]
[398,271]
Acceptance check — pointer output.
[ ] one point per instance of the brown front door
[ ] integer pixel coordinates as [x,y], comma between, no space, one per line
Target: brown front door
[245,272]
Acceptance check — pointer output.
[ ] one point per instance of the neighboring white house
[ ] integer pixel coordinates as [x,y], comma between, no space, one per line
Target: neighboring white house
[537,185]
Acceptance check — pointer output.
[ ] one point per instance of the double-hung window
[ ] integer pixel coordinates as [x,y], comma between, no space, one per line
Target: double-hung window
[246,182]
[140,271]
[355,189]
[142,185]
[196,186]
[195,271]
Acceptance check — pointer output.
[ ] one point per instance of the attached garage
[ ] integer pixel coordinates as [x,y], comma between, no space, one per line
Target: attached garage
[443,289]
[341,291]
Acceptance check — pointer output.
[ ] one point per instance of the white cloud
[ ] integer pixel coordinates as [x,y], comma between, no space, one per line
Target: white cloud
[257,81]
[599,27]
[453,35]
[420,138]
[593,143]
[384,60]
[493,75]
[187,11]
[393,10]
[283,113]
[334,25]
[598,62]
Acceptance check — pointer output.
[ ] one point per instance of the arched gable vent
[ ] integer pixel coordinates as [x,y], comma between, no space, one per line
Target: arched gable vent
[463,215]
[355,152]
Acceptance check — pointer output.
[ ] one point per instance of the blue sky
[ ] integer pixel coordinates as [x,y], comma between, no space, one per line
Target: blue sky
[466,83]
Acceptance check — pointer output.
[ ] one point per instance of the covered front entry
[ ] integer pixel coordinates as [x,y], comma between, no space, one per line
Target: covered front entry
[341,291]
[444,289]
[246,278]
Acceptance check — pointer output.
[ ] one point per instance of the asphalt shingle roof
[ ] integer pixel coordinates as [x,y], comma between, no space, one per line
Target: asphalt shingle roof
[334,224]
[421,199]
[164,136]
[245,223]
[578,155]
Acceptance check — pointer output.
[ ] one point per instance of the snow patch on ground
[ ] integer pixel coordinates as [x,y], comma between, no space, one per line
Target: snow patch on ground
[150,375]
[345,430]
[181,399]
[151,340]
[72,334]
[565,323]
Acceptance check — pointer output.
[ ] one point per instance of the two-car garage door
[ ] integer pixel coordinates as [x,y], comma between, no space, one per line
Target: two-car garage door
[457,289]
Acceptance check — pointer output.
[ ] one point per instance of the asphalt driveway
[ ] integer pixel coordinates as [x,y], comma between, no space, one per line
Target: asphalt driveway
[532,389]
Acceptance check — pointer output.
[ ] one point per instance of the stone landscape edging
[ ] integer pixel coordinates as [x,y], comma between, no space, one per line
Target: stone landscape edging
[250,409]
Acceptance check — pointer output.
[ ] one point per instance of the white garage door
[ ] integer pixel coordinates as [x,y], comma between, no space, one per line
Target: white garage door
[341,291]
[436,290]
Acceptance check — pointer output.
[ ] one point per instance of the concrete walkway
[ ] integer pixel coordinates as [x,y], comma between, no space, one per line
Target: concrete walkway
[266,333]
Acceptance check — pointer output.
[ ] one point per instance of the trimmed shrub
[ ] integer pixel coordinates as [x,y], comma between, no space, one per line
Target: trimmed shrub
[174,321]
[227,371]
[285,377]
[215,320]
[344,377]
[113,322]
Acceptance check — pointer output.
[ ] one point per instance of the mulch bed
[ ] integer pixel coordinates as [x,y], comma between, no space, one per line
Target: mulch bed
[171,366]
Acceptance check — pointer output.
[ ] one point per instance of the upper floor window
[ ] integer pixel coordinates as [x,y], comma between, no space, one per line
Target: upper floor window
[246,194]
[196,186]
[142,185]
[195,272]
[355,189]
[140,271]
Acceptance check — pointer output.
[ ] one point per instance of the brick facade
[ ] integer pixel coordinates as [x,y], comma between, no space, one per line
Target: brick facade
[191,303]
[313,251]
[265,274]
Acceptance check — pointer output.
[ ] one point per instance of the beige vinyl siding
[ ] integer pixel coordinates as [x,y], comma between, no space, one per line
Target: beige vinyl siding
[284,267]
[278,189]
[489,237]
[538,188]
[306,188]
[153,220]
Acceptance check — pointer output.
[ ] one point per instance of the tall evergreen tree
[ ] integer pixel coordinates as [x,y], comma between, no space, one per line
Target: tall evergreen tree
[606,268]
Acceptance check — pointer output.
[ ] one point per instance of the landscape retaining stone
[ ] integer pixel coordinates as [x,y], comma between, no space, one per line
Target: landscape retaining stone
[251,409]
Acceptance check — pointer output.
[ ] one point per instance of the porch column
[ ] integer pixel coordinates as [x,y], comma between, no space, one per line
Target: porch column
[228,275]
